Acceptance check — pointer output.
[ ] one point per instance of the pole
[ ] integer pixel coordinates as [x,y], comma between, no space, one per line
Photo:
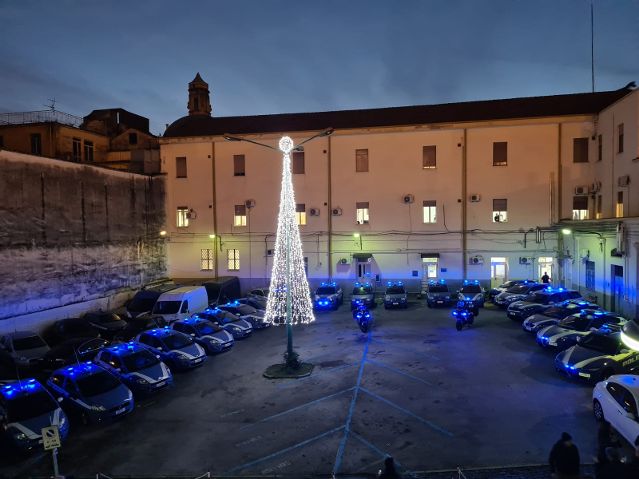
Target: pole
[289,326]
[54,454]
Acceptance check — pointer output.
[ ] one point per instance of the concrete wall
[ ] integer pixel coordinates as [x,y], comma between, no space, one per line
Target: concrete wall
[71,233]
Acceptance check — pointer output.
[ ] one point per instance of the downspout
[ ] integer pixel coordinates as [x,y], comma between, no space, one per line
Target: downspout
[214,199]
[603,243]
[560,237]
[464,204]
[330,212]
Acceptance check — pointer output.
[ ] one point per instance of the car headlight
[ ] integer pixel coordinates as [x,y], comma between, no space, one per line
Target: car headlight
[235,327]
[18,435]
[63,421]
[97,407]
[140,380]
[179,355]
[213,341]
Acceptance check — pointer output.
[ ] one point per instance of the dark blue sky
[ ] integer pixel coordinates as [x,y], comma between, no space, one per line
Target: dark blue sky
[274,56]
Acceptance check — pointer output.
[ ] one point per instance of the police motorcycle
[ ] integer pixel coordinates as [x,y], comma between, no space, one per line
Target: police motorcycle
[464,313]
[363,317]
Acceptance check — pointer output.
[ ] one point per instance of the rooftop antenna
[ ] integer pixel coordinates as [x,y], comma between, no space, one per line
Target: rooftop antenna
[51,105]
[592,44]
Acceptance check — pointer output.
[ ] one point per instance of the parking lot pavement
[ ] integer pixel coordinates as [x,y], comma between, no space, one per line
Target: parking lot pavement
[414,388]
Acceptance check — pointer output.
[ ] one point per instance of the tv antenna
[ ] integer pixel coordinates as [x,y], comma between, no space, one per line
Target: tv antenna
[51,105]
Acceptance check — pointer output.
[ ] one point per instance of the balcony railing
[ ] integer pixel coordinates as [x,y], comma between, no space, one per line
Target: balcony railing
[21,118]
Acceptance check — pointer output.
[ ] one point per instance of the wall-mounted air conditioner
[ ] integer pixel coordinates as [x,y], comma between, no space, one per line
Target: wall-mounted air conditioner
[343,261]
[249,203]
[524,260]
[475,198]
[407,199]
[337,211]
[623,180]
[475,260]
[314,212]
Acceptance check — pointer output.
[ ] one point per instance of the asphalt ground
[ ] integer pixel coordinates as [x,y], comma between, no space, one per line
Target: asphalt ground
[415,388]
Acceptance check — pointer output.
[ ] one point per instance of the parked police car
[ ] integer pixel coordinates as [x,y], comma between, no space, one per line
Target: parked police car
[438,294]
[239,328]
[25,408]
[504,287]
[569,330]
[136,366]
[395,295]
[177,350]
[535,302]
[552,314]
[328,296]
[22,349]
[246,312]
[471,290]
[517,293]
[212,337]
[363,293]
[91,392]
[598,356]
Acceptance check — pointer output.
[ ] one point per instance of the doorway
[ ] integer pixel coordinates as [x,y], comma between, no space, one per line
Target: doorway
[616,287]
[498,271]
[363,271]
[544,265]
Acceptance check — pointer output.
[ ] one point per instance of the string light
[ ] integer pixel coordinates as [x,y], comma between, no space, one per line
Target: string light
[288,262]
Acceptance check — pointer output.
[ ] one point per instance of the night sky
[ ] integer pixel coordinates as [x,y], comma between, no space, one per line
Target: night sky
[275,56]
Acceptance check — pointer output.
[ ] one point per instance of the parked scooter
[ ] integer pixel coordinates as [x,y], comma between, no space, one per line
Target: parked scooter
[363,316]
[464,314]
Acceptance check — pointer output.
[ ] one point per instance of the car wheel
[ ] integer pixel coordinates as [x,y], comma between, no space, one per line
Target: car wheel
[597,410]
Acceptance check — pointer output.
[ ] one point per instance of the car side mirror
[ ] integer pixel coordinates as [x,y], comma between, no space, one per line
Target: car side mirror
[60,399]
[157,356]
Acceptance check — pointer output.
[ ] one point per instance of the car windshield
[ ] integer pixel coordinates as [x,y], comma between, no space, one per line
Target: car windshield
[97,383]
[438,289]
[362,290]
[177,341]
[554,312]
[538,298]
[578,324]
[139,360]
[244,309]
[326,290]
[206,328]
[32,405]
[31,342]
[471,288]
[139,305]
[599,342]
[167,307]
[395,290]
[519,289]
[507,284]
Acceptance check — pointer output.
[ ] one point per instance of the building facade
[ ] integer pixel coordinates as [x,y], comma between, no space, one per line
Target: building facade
[475,190]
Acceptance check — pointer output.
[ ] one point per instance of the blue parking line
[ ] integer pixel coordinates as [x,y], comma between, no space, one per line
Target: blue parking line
[398,371]
[302,406]
[347,425]
[380,452]
[283,451]
[314,375]
[406,411]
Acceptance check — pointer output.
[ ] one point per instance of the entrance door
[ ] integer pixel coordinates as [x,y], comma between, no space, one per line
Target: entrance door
[498,269]
[430,269]
[544,265]
[616,287]
[363,271]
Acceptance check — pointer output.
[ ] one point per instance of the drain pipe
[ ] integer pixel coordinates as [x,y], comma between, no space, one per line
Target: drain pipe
[330,212]
[464,204]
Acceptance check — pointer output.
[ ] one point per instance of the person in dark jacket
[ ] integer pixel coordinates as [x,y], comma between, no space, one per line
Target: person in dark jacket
[545,278]
[389,469]
[564,458]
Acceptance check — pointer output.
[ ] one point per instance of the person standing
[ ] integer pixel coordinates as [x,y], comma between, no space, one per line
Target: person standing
[564,458]
[389,469]
[545,278]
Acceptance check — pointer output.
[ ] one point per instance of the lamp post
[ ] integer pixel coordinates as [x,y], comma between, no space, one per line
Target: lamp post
[289,301]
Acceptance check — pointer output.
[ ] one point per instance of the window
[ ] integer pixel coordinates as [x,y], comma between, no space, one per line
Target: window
[88,151]
[599,148]
[182,217]
[579,207]
[239,168]
[362,213]
[429,157]
[361,161]
[619,206]
[77,149]
[180,167]
[500,153]
[233,257]
[500,210]
[300,213]
[580,150]
[598,214]
[430,211]
[240,215]
[590,275]
[133,138]
[620,138]
[36,144]
[298,162]
[206,259]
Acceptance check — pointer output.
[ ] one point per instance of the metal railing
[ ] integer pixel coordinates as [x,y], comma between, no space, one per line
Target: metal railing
[25,117]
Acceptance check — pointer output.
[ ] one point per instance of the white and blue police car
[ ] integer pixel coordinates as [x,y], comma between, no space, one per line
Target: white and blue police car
[471,290]
[246,312]
[91,392]
[395,295]
[25,408]
[239,328]
[328,296]
[212,337]
[552,314]
[569,330]
[136,366]
[176,349]
[363,293]
[438,294]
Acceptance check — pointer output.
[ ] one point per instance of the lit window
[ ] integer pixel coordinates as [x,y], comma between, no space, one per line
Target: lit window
[620,138]
[298,163]
[430,211]
[619,205]
[500,210]
[88,151]
[300,213]
[233,257]
[362,213]
[207,259]
[500,153]
[240,215]
[579,207]
[429,157]
[182,217]
[580,150]
[180,167]
[361,161]
[239,165]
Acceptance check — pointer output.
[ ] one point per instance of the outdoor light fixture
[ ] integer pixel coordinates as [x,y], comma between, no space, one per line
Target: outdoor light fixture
[212,236]
[566,231]
[162,233]
[355,235]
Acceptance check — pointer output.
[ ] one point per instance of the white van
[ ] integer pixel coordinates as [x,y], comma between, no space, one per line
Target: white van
[180,303]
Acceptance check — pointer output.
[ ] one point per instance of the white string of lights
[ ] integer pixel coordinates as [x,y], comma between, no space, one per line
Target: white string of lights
[288,262]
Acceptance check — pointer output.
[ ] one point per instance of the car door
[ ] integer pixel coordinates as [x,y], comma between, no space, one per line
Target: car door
[626,423]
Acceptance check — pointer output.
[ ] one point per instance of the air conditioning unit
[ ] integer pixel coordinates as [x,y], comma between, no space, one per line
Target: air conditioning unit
[475,198]
[337,211]
[524,260]
[477,259]
[581,190]
[249,203]
[191,214]
[595,187]
[343,261]
[623,180]
[408,199]
[314,212]
[498,218]
[270,252]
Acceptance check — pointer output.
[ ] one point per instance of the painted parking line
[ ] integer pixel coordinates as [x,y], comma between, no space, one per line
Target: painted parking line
[347,426]
[314,375]
[409,413]
[398,371]
[381,453]
[302,406]
[284,451]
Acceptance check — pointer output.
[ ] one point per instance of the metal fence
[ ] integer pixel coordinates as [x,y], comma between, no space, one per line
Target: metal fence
[21,118]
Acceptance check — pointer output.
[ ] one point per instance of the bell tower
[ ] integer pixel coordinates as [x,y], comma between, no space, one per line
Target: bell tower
[199,101]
